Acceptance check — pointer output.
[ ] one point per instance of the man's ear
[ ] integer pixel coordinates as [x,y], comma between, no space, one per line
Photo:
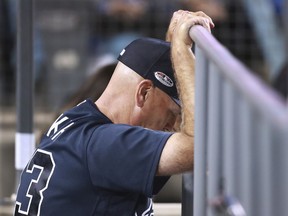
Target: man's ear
[142,92]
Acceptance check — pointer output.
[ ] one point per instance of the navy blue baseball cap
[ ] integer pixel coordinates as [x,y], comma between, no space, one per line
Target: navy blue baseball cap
[151,59]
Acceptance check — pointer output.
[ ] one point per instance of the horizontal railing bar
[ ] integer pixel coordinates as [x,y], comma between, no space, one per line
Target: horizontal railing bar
[254,89]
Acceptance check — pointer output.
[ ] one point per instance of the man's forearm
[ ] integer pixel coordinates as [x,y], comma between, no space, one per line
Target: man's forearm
[184,63]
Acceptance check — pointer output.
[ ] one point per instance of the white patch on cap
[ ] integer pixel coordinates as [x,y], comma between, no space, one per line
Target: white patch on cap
[122,52]
[164,79]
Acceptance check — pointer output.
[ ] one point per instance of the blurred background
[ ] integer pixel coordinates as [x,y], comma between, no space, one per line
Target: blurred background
[76,44]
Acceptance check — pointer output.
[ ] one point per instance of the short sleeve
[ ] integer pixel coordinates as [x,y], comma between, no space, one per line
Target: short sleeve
[125,158]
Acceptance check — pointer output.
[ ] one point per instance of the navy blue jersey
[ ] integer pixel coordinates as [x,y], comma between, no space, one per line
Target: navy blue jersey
[86,165]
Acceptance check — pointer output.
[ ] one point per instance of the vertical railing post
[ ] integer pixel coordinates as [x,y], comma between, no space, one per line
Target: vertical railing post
[230,154]
[245,131]
[25,141]
[200,165]
[279,171]
[214,145]
[265,167]
[187,194]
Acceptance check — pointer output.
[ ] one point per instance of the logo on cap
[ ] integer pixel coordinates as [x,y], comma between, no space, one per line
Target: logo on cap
[164,79]
[122,52]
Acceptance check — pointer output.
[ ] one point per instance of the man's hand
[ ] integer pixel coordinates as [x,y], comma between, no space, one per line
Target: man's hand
[181,23]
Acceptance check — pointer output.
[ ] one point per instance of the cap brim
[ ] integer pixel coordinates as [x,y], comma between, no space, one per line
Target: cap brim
[177,101]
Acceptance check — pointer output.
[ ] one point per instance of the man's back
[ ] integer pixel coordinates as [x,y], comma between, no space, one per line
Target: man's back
[73,171]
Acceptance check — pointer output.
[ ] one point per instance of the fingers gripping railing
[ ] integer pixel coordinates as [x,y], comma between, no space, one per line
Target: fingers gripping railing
[241,138]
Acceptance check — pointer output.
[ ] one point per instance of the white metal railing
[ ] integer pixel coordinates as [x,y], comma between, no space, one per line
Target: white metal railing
[241,137]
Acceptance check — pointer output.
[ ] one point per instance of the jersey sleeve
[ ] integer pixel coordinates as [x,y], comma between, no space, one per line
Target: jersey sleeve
[125,158]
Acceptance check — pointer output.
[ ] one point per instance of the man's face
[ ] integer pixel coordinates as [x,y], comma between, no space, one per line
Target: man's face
[161,111]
